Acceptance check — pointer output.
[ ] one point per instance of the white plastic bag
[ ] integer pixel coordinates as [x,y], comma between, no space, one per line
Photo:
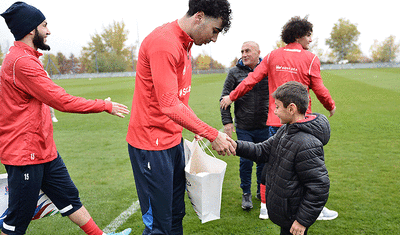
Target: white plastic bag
[204,179]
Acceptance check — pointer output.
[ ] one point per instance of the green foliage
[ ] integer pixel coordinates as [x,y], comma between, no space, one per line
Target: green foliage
[342,41]
[385,51]
[50,64]
[1,56]
[315,49]
[362,157]
[62,61]
[111,62]
[60,64]
[279,44]
[234,62]
[205,62]
[108,50]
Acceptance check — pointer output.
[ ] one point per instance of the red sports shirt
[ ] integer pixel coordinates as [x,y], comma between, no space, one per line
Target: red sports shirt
[289,63]
[160,107]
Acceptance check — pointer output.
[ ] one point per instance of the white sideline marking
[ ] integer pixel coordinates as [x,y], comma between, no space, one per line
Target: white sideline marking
[122,218]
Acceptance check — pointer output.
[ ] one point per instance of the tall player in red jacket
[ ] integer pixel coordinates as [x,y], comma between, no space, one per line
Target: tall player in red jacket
[160,111]
[27,148]
[290,63]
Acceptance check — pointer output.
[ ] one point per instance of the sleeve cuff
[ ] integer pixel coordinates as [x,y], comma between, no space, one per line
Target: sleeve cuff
[108,106]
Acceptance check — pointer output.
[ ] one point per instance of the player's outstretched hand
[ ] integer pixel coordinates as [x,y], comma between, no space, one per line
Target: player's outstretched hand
[118,109]
[332,112]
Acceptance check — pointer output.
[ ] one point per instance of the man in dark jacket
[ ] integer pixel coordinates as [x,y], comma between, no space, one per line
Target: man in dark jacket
[251,113]
[297,178]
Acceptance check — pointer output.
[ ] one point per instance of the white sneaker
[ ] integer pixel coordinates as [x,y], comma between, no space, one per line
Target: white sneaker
[54,119]
[263,211]
[327,214]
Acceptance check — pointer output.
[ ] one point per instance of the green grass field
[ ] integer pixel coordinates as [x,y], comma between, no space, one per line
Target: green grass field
[362,157]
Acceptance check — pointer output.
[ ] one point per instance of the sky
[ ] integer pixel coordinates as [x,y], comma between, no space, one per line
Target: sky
[73,22]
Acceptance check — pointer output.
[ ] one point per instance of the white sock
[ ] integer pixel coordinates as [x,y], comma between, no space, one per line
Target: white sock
[263,205]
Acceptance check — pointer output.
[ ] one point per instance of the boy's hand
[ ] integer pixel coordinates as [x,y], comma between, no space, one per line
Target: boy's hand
[297,228]
[233,143]
[223,145]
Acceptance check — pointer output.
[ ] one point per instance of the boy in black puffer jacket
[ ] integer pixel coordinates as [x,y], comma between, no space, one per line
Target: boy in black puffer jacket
[297,179]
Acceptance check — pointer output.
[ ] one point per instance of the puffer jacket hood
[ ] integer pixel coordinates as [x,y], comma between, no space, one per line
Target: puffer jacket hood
[316,125]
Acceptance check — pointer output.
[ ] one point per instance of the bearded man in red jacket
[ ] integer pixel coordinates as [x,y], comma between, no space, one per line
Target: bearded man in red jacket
[27,148]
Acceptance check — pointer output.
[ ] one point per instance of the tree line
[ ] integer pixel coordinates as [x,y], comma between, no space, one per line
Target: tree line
[343,46]
[107,51]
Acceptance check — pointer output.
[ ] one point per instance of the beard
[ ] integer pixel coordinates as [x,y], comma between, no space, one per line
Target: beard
[38,41]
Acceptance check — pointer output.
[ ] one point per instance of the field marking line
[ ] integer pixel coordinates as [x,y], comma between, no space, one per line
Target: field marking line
[122,218]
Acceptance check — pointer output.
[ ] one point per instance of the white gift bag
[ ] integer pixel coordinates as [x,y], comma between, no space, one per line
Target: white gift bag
[204,178]
[188,149]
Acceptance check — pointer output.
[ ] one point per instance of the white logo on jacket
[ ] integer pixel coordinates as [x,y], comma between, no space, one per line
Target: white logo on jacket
[286,69]
[184,91]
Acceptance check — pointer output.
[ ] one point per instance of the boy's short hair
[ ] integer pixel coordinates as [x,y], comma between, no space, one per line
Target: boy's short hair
[293,92]
[296,28]
[213,8]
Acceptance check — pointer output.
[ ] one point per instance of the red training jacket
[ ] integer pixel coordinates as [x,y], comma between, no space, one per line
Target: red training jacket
[26,130]
[289,63]
[160,107]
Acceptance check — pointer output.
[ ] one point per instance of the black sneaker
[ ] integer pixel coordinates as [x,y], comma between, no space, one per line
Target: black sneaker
[247,204]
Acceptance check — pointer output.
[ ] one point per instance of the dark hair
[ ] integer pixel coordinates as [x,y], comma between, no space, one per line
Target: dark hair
[296,28]
[213,8]
[293,92]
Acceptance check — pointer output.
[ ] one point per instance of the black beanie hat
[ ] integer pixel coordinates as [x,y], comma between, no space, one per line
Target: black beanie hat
[22,18]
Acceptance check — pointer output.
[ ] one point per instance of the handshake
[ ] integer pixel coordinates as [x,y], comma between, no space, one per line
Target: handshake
[223,144]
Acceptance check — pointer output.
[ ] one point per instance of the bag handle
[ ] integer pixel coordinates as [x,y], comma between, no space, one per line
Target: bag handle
[205,146]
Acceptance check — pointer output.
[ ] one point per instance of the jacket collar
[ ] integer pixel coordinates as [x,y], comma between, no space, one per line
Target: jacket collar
[294,46]
[242,66]
[309,117]
[184,38]
[27,49]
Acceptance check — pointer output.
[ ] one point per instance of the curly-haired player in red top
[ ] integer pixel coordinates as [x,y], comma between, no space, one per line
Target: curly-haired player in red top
[160,111]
